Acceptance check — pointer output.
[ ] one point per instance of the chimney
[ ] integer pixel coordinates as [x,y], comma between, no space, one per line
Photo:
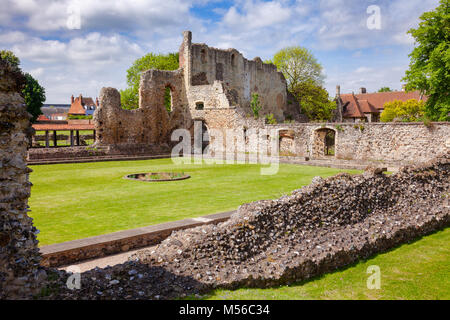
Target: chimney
[72,99]
[338,91]
[362,90]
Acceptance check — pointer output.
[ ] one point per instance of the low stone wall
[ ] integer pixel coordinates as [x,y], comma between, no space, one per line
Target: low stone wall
[403,143]
[65,152]
[20,274]
[100,246]
[93,151]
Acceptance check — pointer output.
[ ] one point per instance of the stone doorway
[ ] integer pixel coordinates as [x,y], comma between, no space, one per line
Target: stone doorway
[286,142]
[324,143]
[199,142]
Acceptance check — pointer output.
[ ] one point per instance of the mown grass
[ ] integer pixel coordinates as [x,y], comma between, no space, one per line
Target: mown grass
[415,271]
[73,201]
[66,142]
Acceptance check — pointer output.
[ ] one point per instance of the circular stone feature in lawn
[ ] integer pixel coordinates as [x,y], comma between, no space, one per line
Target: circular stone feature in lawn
[157,176]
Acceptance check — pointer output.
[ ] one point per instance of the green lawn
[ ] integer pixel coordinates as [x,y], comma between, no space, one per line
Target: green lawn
[64,132]
[73,201]
[416,271]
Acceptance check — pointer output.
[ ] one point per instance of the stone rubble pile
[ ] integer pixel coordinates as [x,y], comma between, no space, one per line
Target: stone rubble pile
[324,226]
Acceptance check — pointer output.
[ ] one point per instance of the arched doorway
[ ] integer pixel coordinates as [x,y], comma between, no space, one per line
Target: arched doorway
[324,143]
[286,142]
[199,136]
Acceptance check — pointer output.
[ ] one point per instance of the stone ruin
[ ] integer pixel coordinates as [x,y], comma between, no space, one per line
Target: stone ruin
[211,85]
[319,228]
[214,86]
[329,224]
[20,274]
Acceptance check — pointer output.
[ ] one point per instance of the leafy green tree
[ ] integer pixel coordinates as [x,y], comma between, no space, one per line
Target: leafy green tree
[405,111]
[385,89]
[429,69]
[314,101]
[130,96]
[304,78]
[298,65]
[33,92]
[34,95]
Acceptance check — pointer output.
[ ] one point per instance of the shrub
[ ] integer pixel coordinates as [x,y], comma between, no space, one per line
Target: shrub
[78,117]
[405,111]
[255,104]
[270,119]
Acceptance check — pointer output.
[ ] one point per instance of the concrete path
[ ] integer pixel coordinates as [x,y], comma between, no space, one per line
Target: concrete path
[103,262]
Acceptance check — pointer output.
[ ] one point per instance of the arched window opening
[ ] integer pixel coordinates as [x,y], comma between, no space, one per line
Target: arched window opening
[168,99]
[199,106]
[203,55]
[233,60]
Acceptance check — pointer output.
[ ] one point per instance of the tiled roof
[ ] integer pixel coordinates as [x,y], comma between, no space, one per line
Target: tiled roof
[62,126]
[351,107]
[355,105]
[42,117]
[77,107]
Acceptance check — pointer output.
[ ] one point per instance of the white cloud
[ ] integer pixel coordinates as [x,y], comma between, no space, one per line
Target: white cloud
[12,37]
[112,15]
[384,75]
[363,70]
[115,32]
[36,73]
[343,24]
[81,65]
[256,15]
[93,48]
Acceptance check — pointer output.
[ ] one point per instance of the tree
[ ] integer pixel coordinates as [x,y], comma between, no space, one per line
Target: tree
[298,65]
[405,111]
[305,81]
[33,93]
[385,89]
[130,96]
[314,101]
[429,69]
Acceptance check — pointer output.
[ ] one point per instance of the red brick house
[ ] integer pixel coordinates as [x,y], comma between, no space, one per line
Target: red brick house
[82,105]
[367,107]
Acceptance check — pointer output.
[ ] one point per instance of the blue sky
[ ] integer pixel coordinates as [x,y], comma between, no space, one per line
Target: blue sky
[113,33]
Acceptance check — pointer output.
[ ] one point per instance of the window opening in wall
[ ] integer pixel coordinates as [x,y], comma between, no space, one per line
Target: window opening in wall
[168,101]
[203,55]
[199,106]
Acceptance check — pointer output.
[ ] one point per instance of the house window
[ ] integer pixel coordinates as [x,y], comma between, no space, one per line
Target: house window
[199,106]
